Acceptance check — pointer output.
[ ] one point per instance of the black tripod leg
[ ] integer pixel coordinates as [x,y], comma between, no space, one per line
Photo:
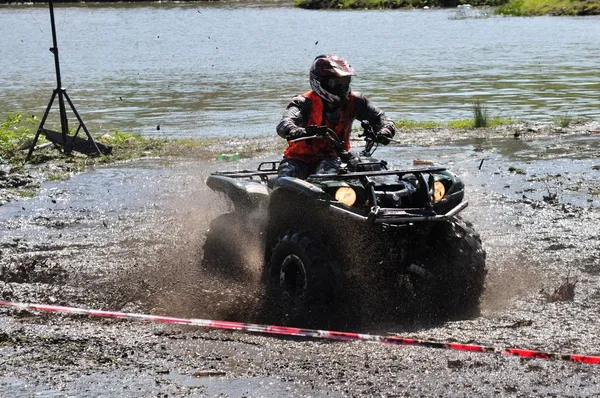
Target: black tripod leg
[41,126]
[81,123]
[64,122]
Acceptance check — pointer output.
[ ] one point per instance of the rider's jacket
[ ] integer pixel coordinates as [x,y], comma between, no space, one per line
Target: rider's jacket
[309,109]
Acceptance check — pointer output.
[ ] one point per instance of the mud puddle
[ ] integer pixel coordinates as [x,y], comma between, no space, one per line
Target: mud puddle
[129,238]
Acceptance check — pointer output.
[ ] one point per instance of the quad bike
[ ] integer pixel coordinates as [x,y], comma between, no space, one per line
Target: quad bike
[379,241]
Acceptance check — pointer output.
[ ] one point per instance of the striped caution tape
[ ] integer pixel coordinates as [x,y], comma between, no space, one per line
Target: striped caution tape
[311,333]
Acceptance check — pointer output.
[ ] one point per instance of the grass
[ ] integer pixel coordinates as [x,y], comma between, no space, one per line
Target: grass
[563,120]
[15,131]
[521,8]
[516,170]
[454,124]
[505,7]
[390,4]
[480,113]
[28,192]
[481,118]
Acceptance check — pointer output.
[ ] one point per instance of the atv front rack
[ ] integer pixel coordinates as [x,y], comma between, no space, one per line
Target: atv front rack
[380,215]
[359,174]
[397,216]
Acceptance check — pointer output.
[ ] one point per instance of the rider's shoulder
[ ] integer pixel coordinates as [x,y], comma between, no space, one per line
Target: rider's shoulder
[359,96]
[300,101]
[299,98]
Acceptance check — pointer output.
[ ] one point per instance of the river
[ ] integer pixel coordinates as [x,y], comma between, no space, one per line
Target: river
[215,69]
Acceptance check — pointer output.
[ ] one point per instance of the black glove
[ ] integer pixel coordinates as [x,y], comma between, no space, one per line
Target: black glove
[316,130]
[298,132]
[384,136]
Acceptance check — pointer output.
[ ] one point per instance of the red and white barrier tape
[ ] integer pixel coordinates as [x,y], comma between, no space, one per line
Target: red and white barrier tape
[317,334]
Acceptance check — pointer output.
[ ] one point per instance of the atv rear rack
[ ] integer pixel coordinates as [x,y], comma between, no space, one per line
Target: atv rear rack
[263,172]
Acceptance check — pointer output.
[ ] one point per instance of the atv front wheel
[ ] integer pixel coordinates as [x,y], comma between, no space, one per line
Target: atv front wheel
[456,261]
[300,280]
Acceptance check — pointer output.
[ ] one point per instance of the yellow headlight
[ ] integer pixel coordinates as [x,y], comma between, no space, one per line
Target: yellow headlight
[346,195]
[439,190]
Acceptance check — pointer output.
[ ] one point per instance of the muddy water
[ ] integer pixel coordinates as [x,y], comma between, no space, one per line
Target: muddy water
[128,238]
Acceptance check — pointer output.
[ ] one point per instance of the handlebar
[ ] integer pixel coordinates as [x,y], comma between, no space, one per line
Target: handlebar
[324,132]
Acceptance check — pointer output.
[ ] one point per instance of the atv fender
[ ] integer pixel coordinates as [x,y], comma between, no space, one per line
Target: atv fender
[301,186]
[245,195]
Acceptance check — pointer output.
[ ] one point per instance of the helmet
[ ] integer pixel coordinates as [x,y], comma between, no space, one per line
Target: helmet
[330,78]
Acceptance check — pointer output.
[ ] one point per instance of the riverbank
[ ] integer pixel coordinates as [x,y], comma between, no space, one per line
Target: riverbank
[527,8]
[391,4]
[507,8]
[18,180]
[518,8]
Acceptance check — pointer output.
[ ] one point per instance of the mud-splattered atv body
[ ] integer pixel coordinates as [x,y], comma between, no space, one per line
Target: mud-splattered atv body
[388,241]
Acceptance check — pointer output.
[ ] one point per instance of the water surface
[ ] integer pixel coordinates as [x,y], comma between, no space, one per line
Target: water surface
[198,69]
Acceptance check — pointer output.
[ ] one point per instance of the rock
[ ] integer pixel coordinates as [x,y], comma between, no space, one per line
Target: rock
[25,144]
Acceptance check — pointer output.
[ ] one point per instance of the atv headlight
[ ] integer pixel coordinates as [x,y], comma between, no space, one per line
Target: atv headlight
[346,195]
[439,190]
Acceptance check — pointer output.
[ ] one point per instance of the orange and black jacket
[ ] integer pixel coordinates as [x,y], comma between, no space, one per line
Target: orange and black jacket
[309,109]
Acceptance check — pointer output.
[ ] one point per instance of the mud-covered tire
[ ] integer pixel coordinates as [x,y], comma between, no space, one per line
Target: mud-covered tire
[300,281]
[457,264]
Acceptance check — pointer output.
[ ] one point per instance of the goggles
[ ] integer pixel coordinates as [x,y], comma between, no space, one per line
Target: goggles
[340,84]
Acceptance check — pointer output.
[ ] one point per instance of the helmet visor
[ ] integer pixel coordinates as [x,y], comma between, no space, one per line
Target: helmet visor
[338,85]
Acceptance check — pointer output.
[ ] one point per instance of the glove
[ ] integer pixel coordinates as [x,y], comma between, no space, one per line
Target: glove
[384,136]
[316,130]
[298,132]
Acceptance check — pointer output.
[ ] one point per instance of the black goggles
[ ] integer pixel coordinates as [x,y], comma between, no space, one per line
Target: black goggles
[338,83]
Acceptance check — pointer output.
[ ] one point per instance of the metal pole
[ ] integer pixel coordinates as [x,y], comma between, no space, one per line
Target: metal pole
[64,123]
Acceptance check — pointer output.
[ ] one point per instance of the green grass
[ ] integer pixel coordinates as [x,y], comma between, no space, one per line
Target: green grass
[15,131]
[480,113]
[454,124]
[563,120]
[520,8]
[390,4]
[411,124]
[516,170]
[28,192]
[505,7]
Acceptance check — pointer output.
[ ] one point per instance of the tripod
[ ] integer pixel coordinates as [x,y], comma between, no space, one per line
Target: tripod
[69,143]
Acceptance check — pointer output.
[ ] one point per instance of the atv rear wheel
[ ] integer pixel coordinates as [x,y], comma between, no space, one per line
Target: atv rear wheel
[301,281]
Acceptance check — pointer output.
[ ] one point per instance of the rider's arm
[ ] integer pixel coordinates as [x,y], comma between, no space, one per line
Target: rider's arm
[366,110]
[295,117]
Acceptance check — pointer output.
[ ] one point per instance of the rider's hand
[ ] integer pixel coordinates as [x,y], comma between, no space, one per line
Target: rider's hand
[315,130]
[296,133]
[384,136]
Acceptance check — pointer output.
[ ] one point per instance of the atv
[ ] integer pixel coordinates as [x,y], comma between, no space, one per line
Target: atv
[364,243]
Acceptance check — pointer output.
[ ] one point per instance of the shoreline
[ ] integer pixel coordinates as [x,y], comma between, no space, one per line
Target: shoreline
[18,181]
[514,8]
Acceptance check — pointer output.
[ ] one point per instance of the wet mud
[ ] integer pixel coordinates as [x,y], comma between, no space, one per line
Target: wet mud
[129,238]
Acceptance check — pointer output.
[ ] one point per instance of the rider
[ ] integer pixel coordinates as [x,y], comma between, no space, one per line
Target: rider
[330,102]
